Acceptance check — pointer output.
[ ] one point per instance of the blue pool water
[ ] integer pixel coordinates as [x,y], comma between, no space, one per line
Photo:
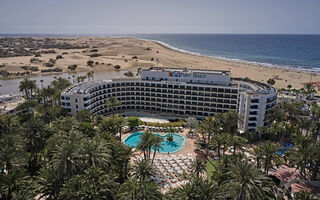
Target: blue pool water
[167,146]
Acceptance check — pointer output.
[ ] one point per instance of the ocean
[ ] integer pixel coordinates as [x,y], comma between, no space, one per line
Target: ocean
[297,52]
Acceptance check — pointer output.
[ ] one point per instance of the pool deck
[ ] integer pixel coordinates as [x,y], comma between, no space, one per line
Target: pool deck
[189,145]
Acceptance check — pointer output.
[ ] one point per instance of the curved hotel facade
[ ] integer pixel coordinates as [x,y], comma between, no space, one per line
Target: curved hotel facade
[176,93]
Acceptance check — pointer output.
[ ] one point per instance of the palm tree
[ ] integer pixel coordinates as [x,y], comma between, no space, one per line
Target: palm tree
[66,160]
[157,145]
[41,81]
[47,184]
[96,153]
[121,122]
[258,153]
[93,184]
[145,144]
[237,142]
[112,102]
[142,170]
[90,75]
[197,188]
[303,152]
[27,87]
[11,153]
[137,190]
[129,190]
[198,167]
[191,123]
[270,157]
[244,182]
[217,141]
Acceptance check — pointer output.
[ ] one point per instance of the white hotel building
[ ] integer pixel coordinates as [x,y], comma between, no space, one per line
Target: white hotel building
[176,93]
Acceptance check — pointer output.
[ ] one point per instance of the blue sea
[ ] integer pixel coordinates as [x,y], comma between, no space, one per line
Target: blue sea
[299,52]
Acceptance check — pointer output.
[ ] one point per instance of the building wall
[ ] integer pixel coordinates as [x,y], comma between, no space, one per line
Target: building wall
[177,99]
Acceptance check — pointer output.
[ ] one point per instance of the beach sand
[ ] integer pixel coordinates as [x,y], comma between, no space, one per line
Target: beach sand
[122,51]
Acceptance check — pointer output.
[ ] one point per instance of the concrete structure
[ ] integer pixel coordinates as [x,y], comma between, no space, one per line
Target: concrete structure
[176,93]
[10,102]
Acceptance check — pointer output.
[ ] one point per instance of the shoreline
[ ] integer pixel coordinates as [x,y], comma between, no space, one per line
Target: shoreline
[132,53]
[235,60]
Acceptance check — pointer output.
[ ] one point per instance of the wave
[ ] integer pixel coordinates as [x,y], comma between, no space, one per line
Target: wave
[237,60]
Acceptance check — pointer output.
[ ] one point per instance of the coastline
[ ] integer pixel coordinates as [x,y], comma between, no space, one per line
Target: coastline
[221,58]
[132,53]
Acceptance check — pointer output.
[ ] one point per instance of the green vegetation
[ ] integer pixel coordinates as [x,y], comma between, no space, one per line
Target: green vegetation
[90,63]
[210,168]
[44,152]
[117,67]
[133,122]
[271,81]
[128,74]
[72,67]
[169,124]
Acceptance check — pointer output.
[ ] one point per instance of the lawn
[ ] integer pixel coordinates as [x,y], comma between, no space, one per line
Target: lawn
[210,168]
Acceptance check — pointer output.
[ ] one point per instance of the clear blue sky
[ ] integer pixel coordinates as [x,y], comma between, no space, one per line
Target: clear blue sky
[160,16]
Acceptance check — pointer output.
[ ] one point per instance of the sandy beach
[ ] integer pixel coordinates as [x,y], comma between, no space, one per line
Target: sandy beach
[131,54]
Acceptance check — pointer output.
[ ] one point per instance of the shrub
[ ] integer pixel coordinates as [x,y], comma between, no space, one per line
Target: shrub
[34,68]
[133,121]
[271,81]
[48,64]
[64,53]
[37,55]
[117,66]
[57,69]
[24,67]
[134,57]
[72,67]
[59,57]
[97,63]
[4,73]
[95,55]
[152,59]
[128,74]
[90,63]
[94,50]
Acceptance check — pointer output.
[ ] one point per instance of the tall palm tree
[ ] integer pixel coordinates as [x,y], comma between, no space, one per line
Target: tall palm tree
[197,188]
[112,102]
[198,167]
[93,184]
[157,145]
[237,142]
[137,190]
[145,144]
[90,75]
[47,184]
[217,141]
[303,152]
[258,153]
[66,160]
[142,170]
[270,157]
[96,153]
[11,153]
[27,87]
[244,182]
[121,122]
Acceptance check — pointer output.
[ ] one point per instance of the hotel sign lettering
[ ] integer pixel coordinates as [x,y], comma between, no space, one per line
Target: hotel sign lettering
[195,75]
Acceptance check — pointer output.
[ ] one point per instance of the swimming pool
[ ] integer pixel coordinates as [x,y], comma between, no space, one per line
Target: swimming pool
[168,147]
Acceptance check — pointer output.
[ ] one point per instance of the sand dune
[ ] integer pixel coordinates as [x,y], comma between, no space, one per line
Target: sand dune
[123,52]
